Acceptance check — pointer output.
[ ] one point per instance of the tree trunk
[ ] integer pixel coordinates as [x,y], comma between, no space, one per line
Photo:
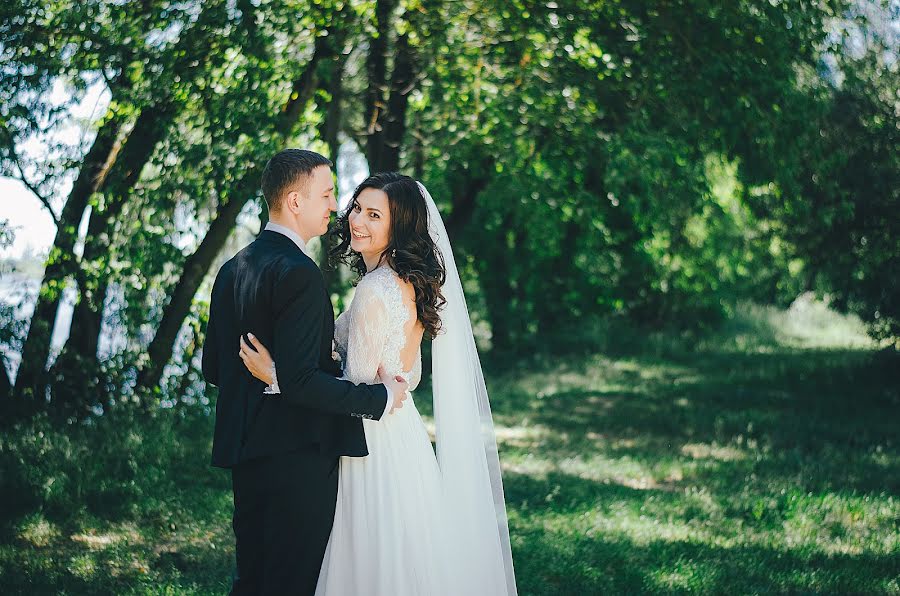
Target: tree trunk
[331,126]
[554,314]
[195,268]
[499,292]
[418,148]
[376,71]
[5,384]
[61,263]
[330,130]
[263,214]
[403,80]
[466,184]
[198,264]
[303,88]
[8,405]
[77,366]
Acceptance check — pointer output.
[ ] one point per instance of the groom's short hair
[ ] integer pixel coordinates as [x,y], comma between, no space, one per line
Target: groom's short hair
[289,169]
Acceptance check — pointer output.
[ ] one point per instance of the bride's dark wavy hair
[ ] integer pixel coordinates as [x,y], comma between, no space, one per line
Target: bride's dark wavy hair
[410,251]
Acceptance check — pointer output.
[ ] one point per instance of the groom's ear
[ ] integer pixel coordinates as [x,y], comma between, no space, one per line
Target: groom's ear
[292,201]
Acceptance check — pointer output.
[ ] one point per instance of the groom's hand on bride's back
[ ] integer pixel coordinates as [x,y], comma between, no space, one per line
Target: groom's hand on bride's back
[398,387]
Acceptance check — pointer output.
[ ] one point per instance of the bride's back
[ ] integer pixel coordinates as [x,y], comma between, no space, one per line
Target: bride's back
[384,328]
[413,330]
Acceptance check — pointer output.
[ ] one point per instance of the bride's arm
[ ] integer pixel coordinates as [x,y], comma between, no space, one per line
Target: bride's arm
[367,332]
[340,335]
[259,361]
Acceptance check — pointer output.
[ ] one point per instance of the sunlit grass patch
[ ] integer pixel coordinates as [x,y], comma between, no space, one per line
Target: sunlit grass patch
[775,455]
[713,451]
[667,467]
[97,541]
[683,574]
[37,531]
[844,524]
[807,323]
[83,566]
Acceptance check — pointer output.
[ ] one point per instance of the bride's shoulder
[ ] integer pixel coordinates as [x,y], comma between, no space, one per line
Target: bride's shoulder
[407,290]
[383,283]
[373,285]
[382,278]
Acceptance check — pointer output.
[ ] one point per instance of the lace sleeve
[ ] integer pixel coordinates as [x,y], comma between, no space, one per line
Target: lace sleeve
[367,333]
[340,334]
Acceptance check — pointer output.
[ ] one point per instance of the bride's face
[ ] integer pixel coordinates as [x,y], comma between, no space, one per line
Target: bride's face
[370,222]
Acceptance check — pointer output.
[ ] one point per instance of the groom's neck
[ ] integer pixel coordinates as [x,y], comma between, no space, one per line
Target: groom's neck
[291,224]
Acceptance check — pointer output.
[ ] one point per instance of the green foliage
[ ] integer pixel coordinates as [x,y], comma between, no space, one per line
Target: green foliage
[109,467]
[595,134]
[839,195]
[726,461]
[655,162]
[125,501]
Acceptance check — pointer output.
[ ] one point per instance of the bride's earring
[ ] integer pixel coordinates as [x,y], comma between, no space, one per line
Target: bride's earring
[394,253]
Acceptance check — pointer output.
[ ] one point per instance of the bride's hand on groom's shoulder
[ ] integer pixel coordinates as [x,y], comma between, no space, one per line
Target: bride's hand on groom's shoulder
[398,386]
[257,359]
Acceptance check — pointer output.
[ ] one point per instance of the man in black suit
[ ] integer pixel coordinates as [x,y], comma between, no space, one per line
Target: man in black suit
[283,449]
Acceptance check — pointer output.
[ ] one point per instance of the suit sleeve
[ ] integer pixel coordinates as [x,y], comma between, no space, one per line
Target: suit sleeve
[299,304]
[209,363]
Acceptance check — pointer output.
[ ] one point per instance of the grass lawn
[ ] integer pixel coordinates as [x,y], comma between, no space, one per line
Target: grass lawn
[761,459]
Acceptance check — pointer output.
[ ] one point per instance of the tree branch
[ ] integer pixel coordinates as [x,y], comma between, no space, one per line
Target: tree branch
[24,180]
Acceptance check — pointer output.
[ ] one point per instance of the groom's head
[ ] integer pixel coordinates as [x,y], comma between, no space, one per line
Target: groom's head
[299,191]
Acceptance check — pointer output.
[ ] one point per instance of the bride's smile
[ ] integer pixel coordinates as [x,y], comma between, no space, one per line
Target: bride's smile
[370,225]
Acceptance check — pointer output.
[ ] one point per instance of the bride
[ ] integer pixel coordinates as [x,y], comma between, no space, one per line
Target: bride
[411,522]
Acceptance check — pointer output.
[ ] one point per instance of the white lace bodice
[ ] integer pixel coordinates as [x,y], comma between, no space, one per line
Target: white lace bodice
[371,331]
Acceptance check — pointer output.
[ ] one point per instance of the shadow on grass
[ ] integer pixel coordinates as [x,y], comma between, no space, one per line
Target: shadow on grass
[707,471]
[589,537]
[838,407]
[562,564]
[638,470]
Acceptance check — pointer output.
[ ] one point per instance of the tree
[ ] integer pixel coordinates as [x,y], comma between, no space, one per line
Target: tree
[281,126]
[658,161]
[101,45]
[839,186]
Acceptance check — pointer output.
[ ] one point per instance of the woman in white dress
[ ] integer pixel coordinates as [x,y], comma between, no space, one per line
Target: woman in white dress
[410,522]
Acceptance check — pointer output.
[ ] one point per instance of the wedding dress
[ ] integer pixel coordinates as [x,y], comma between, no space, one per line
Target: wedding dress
[410,522]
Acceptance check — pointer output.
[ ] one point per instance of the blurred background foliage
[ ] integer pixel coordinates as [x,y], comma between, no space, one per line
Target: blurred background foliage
[655,161]
[650,203]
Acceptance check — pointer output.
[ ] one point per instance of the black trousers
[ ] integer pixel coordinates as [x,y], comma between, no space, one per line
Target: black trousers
[283,513]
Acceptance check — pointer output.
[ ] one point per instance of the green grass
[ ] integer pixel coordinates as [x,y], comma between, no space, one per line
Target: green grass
[760,459]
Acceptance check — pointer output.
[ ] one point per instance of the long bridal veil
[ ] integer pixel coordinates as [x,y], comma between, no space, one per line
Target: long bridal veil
[481,559]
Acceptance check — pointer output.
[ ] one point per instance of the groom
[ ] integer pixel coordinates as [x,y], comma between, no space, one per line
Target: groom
[283,449]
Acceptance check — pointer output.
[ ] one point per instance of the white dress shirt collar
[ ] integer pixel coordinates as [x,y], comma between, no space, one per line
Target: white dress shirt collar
[285,231]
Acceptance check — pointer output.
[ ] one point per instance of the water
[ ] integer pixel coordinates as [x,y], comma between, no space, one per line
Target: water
[20,291]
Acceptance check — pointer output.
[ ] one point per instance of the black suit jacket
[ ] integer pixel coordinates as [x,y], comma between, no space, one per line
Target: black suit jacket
[273,290]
